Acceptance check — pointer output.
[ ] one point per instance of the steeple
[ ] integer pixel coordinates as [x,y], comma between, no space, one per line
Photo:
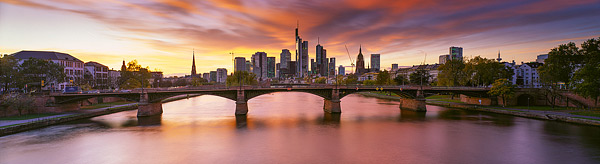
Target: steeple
[360,49]
[123,67]
[499,59]
[193,63]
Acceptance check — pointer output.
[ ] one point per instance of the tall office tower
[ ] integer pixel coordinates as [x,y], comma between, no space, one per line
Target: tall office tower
[240,64]
[249,66]
[305,57]
[360,63]
[270,67]
[394,67]
[284,57]
[341,70]
[259,63]
[193,64]
[456,53]
[292,68]
[331,67]
[213,76]
[278,70]
[301,55]
[221,75]
[375,60]
[313,67]
[321,56]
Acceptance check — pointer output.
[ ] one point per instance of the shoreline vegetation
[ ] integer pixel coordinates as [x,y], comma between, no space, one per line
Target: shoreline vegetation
[571,115]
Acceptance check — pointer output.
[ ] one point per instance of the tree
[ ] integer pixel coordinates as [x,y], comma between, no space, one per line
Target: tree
[560,65]
[351,79]
[9,72]
[198,81]
[502,88]
[241,77]
[452,73]
[401,80]
[383,78]
[181,82]
[165,83]
[35,70]
[135,72]
[420,77]
[483,72]
[369,82]
[587,78]
[321,80]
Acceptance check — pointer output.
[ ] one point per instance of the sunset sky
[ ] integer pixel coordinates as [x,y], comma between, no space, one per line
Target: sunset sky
[162,33]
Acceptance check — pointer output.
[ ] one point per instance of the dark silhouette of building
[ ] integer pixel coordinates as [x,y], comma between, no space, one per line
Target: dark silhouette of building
[193,64]
[360,62]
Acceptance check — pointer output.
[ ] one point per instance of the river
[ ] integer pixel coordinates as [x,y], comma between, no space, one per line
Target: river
[292,128]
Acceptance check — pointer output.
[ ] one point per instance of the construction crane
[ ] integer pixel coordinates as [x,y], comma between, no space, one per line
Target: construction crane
[351,61]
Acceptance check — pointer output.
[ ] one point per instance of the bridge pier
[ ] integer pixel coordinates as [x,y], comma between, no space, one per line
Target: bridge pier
[418,104]
[241,105]
[146,108]
[333,105]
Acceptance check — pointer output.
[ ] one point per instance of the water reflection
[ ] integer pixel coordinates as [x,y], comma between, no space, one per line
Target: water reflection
[408,115]
[292,128]
[331,119]
[150,120]
[241,121]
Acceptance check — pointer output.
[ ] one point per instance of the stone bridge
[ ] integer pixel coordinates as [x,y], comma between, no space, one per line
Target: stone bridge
[150,100]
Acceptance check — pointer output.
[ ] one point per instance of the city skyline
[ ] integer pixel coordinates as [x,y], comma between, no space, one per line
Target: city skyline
[402,32]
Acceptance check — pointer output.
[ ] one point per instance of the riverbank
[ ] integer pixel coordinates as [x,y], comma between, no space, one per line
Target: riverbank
[14,126]
[536,114]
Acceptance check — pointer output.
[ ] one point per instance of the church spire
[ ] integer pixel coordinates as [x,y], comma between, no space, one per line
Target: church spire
[360,49]
[193,63]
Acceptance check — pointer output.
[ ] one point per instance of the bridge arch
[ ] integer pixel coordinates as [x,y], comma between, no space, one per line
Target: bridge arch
[525,100]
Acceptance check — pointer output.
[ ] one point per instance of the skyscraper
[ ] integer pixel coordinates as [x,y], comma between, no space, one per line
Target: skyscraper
[375,60]
[313,67]
[259,63]
[321,56]
[394,67]
[301,55]
[341,70]
[213,76]
[193,64]
[331,67]
[304,58]
[248,66]
[240,64]
[360,62]
[284,57]
[456,53]
[270,67]
[221,75]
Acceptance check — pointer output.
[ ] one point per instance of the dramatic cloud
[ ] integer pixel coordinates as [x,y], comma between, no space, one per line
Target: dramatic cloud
[402,31]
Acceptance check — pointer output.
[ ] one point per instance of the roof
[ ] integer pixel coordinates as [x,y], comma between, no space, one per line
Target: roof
[47,55]
[95,64]
[534,64]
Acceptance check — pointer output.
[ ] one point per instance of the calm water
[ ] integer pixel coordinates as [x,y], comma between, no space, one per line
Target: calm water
[292,128]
